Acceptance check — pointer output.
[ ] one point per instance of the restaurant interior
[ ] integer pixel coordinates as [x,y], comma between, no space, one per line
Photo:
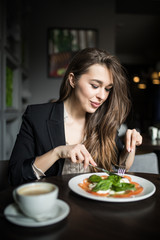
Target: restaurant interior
[37,40]
[127,29]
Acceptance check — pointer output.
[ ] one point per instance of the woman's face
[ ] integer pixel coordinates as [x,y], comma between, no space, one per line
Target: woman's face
[93,88]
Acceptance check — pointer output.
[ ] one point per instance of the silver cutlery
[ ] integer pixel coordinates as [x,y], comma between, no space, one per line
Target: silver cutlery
[120,171]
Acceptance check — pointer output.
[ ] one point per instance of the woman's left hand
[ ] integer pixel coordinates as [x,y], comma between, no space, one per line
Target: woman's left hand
[133,138]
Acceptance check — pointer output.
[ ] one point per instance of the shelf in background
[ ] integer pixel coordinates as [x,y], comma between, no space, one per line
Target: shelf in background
[11,59]
[12,114]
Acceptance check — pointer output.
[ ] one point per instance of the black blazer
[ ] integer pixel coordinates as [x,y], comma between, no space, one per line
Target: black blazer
[42,129]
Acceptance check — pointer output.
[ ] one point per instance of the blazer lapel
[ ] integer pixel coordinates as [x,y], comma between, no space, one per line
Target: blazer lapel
[55,125]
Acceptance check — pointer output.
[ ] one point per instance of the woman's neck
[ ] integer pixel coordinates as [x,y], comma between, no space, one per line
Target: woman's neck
[74,123]
[73,110]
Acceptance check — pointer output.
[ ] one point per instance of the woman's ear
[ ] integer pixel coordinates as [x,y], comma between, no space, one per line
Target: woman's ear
[71,79]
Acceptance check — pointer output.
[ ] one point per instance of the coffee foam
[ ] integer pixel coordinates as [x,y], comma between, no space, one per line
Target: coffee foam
[35,190]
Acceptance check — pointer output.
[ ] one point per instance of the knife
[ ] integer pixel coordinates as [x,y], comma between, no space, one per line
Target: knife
[102,169]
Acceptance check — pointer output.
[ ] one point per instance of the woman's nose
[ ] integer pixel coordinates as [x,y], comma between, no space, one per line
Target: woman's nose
[102,94]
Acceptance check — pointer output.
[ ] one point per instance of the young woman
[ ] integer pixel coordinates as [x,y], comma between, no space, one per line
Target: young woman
[79,129]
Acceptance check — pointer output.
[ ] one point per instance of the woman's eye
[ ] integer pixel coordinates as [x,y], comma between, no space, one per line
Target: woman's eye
[94,86]
[108,89]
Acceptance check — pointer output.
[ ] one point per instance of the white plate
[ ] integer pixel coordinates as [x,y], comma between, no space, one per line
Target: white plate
[148,189]
[22,220]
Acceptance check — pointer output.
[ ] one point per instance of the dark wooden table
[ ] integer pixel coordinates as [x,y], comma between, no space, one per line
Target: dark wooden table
[90,219]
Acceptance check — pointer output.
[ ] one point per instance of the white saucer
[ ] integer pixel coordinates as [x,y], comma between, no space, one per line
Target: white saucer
[22,220]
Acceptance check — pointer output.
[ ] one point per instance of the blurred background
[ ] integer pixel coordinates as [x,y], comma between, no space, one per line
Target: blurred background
[127,29]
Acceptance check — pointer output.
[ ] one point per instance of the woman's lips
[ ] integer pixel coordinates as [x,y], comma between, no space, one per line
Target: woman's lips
[95,105]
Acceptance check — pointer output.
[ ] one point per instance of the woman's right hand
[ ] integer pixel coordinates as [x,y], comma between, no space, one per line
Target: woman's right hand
[77,153]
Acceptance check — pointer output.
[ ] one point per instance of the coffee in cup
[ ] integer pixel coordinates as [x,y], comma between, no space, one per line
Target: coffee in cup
[36,200]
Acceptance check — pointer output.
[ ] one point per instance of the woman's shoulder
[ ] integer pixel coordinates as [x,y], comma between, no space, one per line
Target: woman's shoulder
[41,109]
[38,107]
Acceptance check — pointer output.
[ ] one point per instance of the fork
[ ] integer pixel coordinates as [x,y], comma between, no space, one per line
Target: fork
[121,171]
[108,172]
[122,168]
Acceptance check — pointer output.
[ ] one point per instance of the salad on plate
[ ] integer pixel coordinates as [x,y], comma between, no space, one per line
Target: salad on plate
[111,186]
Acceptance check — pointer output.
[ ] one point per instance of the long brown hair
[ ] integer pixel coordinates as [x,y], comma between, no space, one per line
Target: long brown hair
[101,127]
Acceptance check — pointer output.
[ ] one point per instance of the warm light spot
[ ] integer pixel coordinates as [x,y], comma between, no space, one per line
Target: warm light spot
[136,79]
[142,86]
[154,75]
[155,81]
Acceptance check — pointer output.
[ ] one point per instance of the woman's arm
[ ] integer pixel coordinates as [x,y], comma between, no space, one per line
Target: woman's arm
[77,153]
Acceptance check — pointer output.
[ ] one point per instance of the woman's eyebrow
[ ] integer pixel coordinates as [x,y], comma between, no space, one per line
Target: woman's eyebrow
[101,82]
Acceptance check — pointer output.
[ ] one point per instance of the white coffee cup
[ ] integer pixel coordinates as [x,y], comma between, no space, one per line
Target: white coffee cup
[36,200]
[153,131]
[158,135]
